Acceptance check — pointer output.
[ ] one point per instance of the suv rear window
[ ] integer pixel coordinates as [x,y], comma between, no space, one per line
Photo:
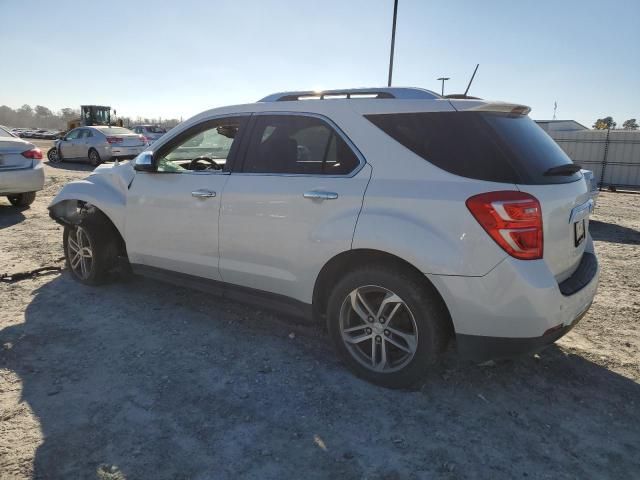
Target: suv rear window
[495,147]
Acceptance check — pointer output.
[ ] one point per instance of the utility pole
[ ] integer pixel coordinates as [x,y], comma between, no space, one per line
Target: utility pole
[443,79]
[393,40]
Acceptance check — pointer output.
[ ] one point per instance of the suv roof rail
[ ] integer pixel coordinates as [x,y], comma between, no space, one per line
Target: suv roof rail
[403,93]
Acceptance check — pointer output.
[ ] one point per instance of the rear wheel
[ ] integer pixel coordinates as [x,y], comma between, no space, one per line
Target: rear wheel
[91,250]
[94,157]
[22,199]
[387,325]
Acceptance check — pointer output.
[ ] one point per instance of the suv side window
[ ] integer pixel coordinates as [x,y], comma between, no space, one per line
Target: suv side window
[297,144]
[203,147]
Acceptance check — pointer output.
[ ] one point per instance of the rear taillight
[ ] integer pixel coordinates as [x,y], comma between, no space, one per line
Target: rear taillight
[33,154]
[513,219]
[113,140]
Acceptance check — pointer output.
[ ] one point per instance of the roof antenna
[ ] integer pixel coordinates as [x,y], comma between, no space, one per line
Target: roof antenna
[472,77]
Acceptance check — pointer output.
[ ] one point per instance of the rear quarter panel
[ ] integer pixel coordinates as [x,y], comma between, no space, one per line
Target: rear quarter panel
[427,223]
[417,211]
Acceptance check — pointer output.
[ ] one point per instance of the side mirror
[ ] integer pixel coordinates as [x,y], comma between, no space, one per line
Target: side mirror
[144,163]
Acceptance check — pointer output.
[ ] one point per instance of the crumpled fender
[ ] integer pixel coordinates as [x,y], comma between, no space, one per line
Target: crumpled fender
[106,189]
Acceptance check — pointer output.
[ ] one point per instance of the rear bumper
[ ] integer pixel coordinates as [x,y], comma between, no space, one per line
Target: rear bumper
[121,153]
[480,348]
[518,307]
[22,181]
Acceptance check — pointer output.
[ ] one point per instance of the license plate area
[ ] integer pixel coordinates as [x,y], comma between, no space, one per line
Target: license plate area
[579,232]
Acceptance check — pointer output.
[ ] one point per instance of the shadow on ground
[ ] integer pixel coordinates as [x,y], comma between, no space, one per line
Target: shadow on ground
[610,232]
[10,215]
[75,165]
[144,380]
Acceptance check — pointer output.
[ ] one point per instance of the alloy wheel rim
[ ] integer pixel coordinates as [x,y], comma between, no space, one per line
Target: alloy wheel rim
[53,156]
[80,253]
[378,329]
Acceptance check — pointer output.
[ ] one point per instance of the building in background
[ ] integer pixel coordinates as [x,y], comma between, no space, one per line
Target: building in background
[612,155]
[560,125]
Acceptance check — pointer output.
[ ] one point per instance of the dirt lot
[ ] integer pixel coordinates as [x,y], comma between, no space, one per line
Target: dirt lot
[142,380]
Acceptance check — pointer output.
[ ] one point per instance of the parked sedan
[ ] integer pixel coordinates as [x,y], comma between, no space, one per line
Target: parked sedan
[52,135]
[21,173]
[97,144]
[38,133]
[150,132]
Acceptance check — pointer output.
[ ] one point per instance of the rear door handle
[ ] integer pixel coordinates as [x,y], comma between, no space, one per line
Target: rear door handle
[320,195]
[202,193]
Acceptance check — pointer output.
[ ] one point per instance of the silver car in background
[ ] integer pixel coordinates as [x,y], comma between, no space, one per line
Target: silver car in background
[97,144]
[21,173]
[592,184]
[150,132]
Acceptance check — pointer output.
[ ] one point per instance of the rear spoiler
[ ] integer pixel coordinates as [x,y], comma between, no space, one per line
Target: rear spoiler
[483,106]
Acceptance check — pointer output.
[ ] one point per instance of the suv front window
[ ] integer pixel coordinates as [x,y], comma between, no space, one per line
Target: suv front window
[202,148]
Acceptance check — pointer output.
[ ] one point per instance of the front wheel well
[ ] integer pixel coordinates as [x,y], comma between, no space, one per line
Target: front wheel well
[347,261]
[71,212]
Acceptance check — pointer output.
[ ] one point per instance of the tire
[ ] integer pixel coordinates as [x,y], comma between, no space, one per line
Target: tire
[420,310]
[22,199]
[97,243]
[94,157]
[53,156]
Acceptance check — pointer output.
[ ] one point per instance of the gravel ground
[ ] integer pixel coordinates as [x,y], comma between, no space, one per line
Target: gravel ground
[143,380]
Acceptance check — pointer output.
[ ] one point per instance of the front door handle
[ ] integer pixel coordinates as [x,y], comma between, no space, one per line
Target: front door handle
[320,195]
[202,193]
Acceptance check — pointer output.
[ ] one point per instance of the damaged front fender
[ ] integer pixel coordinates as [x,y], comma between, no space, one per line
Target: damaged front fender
[105,189]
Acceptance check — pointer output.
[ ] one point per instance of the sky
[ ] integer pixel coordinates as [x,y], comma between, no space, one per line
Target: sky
[178,58]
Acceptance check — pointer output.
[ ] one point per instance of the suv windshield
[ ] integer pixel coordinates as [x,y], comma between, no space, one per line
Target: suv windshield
[495,147]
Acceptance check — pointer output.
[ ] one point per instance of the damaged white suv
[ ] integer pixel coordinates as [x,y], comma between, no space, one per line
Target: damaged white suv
[401,218]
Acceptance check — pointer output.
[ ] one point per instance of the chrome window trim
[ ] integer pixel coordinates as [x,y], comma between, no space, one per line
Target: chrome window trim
[361,160]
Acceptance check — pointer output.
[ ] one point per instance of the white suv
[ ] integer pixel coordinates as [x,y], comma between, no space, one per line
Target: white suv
[400,218]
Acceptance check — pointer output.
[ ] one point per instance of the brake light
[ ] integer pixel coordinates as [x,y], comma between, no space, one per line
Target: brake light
[513,219]
[113,140]
[33,154]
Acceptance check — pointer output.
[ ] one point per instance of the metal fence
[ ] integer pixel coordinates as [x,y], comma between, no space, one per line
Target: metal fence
[612,155]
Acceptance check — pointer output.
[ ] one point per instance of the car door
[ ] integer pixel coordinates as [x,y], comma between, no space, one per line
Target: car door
[83,143]
[68,145]
[292,206]
[172,213]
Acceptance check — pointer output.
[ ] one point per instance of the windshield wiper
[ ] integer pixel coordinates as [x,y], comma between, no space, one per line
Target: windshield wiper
[568,169]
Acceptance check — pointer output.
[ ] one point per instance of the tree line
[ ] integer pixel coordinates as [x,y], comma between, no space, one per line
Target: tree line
[607,123]
[43,117]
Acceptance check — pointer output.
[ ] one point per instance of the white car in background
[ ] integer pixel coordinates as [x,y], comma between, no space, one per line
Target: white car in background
[402,219]
[592,185]
[150,132]
[97,144]
[21,172]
